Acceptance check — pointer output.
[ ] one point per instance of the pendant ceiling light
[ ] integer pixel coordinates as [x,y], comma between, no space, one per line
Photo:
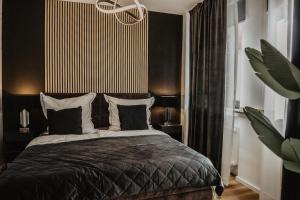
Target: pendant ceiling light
[136,12]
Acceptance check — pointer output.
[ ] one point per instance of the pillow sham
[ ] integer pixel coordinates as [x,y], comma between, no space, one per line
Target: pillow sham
[85,102]
[114,119]
[67,121]
[133,117]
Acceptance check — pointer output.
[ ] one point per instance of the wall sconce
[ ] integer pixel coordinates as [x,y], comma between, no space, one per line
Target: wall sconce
[25,86]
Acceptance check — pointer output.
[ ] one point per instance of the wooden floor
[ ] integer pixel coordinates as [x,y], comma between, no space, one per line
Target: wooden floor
[236,191]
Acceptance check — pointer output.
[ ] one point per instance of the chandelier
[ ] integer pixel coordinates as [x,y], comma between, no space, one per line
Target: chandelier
[135,12]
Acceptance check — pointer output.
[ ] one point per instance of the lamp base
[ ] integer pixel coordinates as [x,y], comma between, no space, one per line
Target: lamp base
[168,117]
[167,123]
[24,130]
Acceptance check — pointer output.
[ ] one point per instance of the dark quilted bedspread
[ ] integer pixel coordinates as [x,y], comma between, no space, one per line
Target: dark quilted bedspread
[106,168]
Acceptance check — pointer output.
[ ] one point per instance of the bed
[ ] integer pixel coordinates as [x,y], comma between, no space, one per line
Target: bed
[118,165]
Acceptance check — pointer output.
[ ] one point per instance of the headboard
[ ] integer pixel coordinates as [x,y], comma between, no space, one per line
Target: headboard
[15,103]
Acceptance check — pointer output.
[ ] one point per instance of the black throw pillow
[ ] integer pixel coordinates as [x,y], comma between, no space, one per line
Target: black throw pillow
[133,117]
[66,121]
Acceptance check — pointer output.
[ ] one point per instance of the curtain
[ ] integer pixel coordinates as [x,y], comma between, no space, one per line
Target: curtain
[207,74]
[275,105]
[230,90]
[291,181]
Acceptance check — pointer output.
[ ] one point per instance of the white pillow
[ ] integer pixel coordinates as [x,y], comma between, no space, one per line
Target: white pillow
[114,120]
[85,102]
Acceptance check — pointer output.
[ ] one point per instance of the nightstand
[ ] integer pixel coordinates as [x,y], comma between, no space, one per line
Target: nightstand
[2,167]
[175,131]
[14,143]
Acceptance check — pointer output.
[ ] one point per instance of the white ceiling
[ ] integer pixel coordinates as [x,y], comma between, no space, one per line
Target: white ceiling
[170,6]
[166,6]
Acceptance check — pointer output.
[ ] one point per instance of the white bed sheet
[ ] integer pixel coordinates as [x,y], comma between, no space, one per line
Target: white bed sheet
[54,139]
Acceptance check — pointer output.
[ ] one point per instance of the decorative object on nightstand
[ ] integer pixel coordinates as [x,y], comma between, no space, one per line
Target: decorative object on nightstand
[24,121]
[168,102]
[175,130]
[14,143]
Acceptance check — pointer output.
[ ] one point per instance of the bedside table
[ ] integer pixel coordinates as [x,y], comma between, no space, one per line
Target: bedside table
[3,167]
[175,131]
[14,143]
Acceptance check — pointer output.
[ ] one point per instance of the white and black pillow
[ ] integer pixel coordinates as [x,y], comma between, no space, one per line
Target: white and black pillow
[85,102]
[133,117]
[113,102]
[67,121]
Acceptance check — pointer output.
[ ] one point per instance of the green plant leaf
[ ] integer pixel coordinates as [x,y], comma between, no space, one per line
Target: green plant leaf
[291,150]
[265,130]
[262,72]
[292,166]
[280,68]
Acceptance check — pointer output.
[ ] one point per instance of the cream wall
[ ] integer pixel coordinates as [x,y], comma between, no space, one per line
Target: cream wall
[185,76]
[250,92]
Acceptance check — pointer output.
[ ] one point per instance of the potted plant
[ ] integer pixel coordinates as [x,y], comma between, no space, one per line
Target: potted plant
[277,72]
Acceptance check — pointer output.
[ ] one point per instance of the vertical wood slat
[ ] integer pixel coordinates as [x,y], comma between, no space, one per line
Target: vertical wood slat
[88,51]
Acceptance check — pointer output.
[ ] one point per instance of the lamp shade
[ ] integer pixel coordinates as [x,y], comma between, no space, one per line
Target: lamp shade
[167,101]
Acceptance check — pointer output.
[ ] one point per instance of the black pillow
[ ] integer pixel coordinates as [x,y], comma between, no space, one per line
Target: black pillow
[133,117]
[66,121]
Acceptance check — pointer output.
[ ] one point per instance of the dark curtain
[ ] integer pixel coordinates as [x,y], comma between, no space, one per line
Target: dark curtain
[208,48]
[290,180]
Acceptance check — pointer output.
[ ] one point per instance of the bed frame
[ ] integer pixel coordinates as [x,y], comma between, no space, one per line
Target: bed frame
[204,193]
[100,118]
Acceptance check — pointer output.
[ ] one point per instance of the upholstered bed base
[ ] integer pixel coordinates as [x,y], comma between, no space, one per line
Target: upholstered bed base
[204,193]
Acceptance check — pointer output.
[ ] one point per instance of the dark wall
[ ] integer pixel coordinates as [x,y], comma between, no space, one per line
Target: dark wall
[23,46]
[165,53]
[23,59]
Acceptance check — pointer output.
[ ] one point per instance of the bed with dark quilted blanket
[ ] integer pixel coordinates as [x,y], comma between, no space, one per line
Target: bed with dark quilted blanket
[106,168]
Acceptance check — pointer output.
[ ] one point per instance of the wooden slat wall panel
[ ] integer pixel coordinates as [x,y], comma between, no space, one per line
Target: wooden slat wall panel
[87,51]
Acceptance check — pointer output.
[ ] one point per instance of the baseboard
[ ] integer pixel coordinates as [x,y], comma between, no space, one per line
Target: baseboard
[264,196]
[247,184]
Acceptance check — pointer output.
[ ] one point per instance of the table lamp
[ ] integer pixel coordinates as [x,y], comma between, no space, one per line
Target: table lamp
[24,121]
[168,102]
